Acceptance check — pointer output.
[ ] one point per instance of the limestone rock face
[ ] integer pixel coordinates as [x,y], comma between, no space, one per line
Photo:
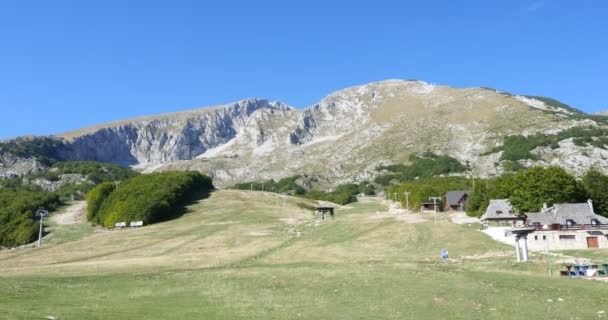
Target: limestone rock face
[12,166]
[166,138]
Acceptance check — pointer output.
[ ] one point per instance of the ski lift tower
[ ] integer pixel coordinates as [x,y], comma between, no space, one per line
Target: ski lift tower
[521,242]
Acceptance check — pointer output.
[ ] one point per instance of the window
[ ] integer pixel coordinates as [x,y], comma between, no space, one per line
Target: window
[544,237]
[567,237]
[498,212]
[570,222]
[535,237]
[595,222]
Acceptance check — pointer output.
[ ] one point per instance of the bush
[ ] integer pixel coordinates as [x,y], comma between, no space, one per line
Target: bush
[151,198]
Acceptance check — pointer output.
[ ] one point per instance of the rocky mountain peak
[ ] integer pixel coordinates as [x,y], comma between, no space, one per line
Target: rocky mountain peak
[343,137]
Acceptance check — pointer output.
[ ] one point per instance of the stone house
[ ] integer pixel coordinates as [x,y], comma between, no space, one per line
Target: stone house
[500,214]
[567,226]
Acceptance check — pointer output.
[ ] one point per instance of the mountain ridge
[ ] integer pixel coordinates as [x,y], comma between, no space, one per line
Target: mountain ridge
[343,137]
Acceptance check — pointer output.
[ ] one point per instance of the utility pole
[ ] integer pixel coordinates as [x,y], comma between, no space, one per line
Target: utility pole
[407,200]
[41,213]
[435,205]
[546,228]
[251,187]
[395,197]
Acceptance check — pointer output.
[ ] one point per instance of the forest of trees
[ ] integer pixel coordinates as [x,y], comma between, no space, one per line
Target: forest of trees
[422,166]
[18,206]
[19,200]
[527,189]
[149,198]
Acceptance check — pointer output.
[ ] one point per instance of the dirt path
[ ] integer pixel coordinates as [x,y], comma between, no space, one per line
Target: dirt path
[395,212]
[73,214]
[462,218]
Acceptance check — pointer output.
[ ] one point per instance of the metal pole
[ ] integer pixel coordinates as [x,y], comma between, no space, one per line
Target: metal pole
[435,206]
[549,258]
[517,248]
[41,213]
[284,196]
[407,200]
[40,231]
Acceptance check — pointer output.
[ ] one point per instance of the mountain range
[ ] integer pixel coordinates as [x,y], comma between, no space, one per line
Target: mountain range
[344,137]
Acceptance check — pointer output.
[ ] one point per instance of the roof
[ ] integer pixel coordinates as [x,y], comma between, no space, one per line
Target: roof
[453,197]
[580,213]
[499,209]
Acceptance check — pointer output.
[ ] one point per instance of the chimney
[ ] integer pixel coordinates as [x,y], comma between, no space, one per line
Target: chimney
[590,203]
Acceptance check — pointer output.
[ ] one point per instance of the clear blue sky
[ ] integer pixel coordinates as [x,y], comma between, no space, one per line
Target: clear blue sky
[70,64]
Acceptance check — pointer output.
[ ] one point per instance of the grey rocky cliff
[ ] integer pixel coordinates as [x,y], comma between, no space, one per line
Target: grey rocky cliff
[166,139]
[12,166]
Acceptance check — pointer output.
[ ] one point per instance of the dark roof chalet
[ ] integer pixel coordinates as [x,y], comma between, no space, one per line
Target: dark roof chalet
[499,209]
[453,197]
[579,213]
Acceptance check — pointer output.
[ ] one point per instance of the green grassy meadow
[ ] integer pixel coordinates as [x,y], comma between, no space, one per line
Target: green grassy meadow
[243,255]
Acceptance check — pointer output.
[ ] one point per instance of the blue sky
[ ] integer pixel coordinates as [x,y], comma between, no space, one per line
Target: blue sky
[70,64]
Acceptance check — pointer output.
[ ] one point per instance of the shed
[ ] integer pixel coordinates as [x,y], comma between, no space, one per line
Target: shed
[324,210]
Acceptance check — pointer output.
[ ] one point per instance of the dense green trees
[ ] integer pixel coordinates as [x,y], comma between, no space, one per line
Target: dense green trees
[150,198]
[44,149]
[596,186]
[19,200]
[95,198]
[528,189]
[422,166]
[96,172]
[18,224]
[534,186]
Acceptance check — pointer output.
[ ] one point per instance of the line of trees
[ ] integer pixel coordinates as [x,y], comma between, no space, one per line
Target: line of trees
[149,198]
[342,194]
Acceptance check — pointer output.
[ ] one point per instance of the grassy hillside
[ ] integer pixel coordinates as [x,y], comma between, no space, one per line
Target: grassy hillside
[243,255]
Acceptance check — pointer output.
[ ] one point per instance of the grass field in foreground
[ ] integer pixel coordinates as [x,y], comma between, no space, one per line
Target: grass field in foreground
[242,255]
